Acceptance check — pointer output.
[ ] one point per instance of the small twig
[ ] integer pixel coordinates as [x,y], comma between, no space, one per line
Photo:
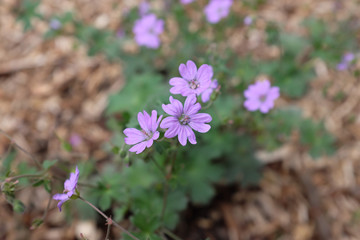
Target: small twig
[47,208]
[108,219]
[171,234]
[37,163]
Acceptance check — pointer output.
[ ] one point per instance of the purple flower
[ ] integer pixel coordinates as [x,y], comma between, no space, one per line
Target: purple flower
[75,140]
[248,20]
[144,138]
[205,96]
[186,1]
[55,24]
[69,188]
[144,8]
[217,9]
[147,30]
[342,66]
[193,81]
[348,57]
[346,60]
[261,96]
[184,120]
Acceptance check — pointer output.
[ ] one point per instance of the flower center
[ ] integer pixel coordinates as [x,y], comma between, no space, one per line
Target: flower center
[194,84]
[147,134]
[184,119]
[262,98]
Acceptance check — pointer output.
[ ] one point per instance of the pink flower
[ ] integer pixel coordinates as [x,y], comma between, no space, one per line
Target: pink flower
[69,188]
[184,120]
[147,31]
[186,1]
[144,138]
[205,96]
[193,81]
[248,20]
[75,140]
[261,96]
[217,9]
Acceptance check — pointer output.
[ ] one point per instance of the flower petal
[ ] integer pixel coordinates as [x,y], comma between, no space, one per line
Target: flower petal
[138,148]
[189,102]
[169,122]
[134,136]
[204,75]
[252,105]
[142,121]
[175,107]
[190,134]
[201,118]
[156,135]
[188,71]
[200,127]
[173,131]
[182,136]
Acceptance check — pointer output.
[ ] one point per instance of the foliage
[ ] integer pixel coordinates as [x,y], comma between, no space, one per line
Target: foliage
[154,187]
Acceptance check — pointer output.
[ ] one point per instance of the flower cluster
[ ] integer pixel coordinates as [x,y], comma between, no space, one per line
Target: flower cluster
[183,119]
[148,28]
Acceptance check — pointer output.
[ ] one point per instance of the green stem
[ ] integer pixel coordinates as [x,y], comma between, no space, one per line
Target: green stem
[110,222]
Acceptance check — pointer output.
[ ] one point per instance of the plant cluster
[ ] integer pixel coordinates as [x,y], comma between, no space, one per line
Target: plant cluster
[230,97]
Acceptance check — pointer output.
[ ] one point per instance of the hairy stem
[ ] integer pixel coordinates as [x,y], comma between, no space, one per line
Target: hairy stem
[37,163]
[110,222]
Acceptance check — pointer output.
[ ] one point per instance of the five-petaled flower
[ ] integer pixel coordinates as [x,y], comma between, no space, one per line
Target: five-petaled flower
[69,188]
[185,119]
[147,30]
[144,138]
[217,9]
[261,96]
[193,81]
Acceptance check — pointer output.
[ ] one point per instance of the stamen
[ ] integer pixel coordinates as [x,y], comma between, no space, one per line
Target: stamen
[184,119]
[194,84]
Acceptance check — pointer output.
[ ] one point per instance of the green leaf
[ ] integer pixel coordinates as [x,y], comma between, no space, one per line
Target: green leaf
[66,146]
[105,202]
[119,213]
[18,206]
[6,163]
[49,163]
[36,223]
[139,90]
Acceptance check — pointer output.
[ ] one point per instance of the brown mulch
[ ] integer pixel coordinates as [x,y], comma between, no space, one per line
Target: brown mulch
[48,89]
